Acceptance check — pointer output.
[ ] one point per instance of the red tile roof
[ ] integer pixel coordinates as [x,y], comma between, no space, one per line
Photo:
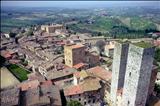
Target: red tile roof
[48,82]
[77,74]
[6,54]
[101,73]
[75,46]
[87,85]
[30,84]
[79,65]
[73,90]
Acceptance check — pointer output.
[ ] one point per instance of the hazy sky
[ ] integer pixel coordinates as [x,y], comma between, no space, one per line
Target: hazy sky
[74,4]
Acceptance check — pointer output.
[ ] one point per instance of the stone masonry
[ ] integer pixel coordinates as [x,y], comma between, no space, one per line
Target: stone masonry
[137,78]
[119,68]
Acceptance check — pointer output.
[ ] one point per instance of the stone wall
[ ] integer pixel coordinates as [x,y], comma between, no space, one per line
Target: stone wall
[119,68]
[137,78]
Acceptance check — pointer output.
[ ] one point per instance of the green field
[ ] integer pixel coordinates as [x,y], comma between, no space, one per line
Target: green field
[18,72]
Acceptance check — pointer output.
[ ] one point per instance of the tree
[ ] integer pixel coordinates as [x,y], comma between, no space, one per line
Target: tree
[157,55]
[2,61]
[99,34]
[12,35]
[100,45]
[157,88]
[30,32]
[74,103]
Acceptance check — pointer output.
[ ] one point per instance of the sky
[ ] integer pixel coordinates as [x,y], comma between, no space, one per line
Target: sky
[76,4]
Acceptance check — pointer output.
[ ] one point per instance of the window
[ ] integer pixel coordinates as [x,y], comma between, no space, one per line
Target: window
[70,96]
[84,103]
[129,74]
[89,101]
[79,94]
[128,102]
[93,100]
[79,99]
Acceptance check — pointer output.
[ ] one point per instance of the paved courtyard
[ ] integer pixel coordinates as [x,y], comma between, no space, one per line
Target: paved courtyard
[7,78]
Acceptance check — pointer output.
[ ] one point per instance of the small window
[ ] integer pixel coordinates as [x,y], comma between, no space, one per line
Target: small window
[93,100]
[79,99]
[129,73]
[70,96]
[84,103]
[128,102]
[79,94]
[89,101]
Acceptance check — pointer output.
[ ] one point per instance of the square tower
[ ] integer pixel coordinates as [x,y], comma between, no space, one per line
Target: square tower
[74,54]
[118,68]
[138,74]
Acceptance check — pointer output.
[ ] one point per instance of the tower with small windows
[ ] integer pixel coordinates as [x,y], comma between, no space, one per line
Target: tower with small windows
[118,68]
[138,74]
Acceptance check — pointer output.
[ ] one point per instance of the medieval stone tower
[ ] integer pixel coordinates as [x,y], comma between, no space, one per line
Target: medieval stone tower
[118,68]
[138,73]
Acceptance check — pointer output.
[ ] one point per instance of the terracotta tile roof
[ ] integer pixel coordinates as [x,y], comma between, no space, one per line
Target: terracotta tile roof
[101,73]
[82,74]
[48,82]
[6,54]
[89,84]
[79,65]
[29,85]
[77,74]
[75,46]
[73,90]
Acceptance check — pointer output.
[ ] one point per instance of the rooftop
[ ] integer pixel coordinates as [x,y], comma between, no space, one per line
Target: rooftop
[122,41]
[9,97]
[60,73]
[101,73]
[29,85]
[75,46]
[89,84]
[143,44]
[79,65]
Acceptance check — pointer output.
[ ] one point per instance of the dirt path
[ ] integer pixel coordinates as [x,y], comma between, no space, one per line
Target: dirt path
[7,78]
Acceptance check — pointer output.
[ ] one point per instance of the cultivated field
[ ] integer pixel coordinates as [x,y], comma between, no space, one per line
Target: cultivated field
[7,78]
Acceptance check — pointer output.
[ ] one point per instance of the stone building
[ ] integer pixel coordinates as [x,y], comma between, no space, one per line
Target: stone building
[51,28]
[10,97]
[35,93]
[87,89]
[74,54]
[138,74]
[109,49]
[118,68]
[77,53]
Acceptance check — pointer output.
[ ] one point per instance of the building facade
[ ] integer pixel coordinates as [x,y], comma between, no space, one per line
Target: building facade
[137,78]
[74,54]
[77,53]
[51,28]
[118,68]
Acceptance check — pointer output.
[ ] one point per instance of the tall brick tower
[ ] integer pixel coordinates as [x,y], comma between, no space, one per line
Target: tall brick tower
[118,68]
[138,74]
